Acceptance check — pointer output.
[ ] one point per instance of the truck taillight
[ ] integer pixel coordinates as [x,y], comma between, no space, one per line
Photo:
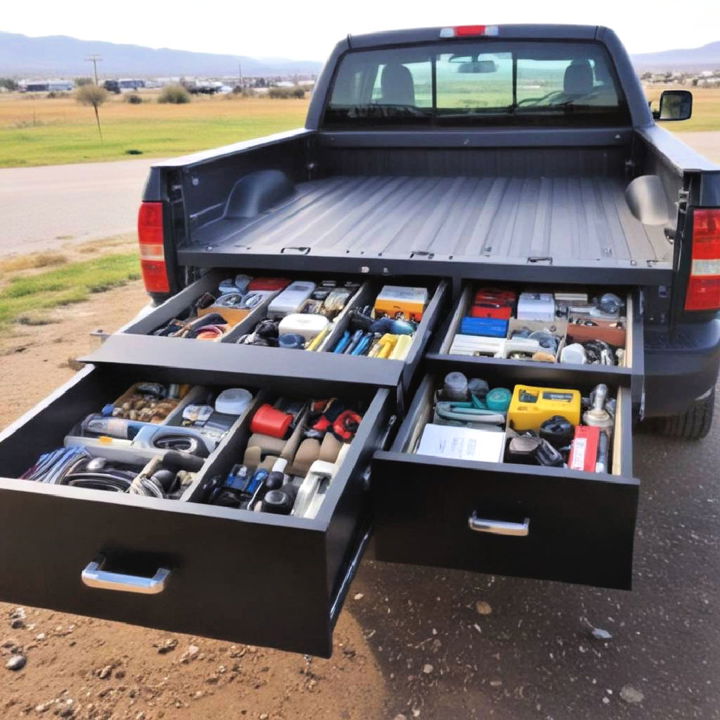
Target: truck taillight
[703,291]
[152,249]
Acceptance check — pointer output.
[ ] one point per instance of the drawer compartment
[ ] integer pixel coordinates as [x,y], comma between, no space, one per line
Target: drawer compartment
[506,518]
[494,333]
[175,564]
[251,363]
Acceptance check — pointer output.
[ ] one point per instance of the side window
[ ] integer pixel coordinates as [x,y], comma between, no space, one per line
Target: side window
[408,83]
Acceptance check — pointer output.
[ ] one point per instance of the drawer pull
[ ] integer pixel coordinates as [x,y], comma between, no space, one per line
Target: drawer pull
[499,527]
[95,577]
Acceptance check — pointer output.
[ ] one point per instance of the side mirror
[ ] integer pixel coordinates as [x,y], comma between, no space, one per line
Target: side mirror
[674,105]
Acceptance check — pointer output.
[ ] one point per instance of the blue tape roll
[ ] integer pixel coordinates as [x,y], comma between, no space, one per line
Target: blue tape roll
[498,399]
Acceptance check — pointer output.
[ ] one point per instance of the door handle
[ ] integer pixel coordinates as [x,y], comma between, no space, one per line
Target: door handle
[499,527]
[95,577]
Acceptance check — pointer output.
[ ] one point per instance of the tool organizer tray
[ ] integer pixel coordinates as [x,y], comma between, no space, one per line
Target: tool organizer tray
[629,374]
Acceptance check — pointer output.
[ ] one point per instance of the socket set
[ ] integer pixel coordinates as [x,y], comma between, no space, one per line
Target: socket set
[578,328]
[529,425]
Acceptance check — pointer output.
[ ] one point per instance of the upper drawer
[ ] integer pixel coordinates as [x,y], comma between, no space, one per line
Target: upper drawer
[228,360]
[259,578]
[480,333]
[504,517]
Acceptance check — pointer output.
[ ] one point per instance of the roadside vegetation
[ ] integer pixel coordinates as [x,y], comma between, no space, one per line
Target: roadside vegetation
[31,286]
[174,95]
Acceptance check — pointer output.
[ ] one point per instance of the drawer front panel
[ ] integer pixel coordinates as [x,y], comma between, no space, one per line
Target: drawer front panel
[579,530]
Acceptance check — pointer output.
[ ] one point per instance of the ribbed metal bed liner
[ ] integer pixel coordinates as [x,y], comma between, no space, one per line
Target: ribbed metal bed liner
[560,221]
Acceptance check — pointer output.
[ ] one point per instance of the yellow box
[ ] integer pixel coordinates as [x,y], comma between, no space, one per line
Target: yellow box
[531,406]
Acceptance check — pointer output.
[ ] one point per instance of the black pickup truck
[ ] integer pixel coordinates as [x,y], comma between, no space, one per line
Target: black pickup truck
[424,326]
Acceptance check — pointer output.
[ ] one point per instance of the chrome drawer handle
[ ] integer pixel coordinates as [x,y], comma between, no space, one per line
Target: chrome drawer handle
[95,577]
[499,527]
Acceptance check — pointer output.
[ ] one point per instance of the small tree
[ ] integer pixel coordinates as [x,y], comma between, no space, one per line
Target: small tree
[80,81]
[94,96]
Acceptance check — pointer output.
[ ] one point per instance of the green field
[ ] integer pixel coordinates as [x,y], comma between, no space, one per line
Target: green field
[44,131]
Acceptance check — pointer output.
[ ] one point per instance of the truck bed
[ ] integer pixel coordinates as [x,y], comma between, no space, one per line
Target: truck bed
[562,221]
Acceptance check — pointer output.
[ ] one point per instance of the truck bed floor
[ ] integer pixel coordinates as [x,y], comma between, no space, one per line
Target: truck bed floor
[569,220]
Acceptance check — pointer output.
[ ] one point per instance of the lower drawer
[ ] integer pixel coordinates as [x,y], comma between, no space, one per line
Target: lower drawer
[505,518]
[182,566]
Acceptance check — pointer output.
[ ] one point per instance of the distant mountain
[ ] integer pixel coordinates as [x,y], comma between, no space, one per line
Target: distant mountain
[706,57]
[59,55]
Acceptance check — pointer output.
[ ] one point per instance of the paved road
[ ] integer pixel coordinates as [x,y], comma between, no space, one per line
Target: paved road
[42,207]
[533,658]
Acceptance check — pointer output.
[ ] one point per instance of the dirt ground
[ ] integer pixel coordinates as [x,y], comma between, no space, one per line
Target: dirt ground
[84,668]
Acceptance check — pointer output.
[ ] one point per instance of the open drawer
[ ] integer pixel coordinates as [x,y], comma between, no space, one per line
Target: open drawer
[180,565]
[506,518]
[136,345]
[448,345]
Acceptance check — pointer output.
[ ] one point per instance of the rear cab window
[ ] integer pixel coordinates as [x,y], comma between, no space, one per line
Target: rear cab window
[479,82]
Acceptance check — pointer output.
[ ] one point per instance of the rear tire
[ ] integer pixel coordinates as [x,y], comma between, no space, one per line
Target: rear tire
[694,424]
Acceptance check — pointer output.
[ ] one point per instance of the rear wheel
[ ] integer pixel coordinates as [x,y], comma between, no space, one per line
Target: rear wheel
[693,424]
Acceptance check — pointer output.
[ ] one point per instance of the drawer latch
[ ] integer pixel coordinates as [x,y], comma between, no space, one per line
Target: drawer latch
[499,527]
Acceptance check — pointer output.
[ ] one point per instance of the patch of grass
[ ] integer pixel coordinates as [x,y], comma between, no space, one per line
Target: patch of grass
[31,261]
[49,132]
[28,299]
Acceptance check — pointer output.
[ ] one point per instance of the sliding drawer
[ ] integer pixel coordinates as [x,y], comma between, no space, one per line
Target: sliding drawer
[180,565]
[627,374]
[506,518]
[136,345]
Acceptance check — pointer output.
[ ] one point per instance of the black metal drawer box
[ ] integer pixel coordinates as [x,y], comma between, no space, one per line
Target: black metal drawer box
[253,364]
[184,566]
[505,518]
[629,372]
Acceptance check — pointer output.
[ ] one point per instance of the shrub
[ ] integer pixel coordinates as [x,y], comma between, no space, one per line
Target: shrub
[283,93]
[174,94]
[92,95]
[133,99]
[54,94]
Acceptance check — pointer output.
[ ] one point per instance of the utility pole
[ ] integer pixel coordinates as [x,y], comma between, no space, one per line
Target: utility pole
[94,59]
[240,75]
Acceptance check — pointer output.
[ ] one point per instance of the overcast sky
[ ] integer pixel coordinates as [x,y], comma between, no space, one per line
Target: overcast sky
[308,30]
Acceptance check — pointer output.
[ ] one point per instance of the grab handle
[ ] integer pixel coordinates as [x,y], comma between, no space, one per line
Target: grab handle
[95,577]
